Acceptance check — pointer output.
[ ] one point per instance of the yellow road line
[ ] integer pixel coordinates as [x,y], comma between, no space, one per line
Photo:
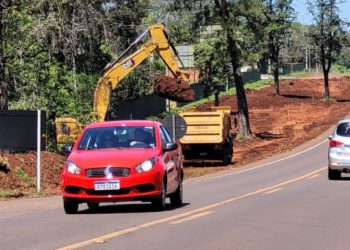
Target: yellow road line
[313,176]
[191,217]
[273,190]
[186,214]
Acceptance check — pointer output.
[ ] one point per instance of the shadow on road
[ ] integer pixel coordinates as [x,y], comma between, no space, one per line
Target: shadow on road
[128,208]
[204,163]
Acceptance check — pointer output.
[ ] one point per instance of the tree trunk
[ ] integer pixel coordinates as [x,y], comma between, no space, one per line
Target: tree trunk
[242,105]
[274,57]
[276,89]
[3,93]
[326,85]
[325,69]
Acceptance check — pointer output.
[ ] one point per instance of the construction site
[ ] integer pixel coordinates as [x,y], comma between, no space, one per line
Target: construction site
[279,124]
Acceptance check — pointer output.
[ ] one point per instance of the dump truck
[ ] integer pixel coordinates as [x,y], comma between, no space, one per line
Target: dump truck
[175,88]
[208,135]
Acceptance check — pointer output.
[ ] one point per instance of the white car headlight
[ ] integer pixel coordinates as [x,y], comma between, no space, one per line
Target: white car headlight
[145,166]
[72,168]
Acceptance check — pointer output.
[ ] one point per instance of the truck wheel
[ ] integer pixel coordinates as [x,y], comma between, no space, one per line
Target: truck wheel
[176,198]
[227,155]
[70,207]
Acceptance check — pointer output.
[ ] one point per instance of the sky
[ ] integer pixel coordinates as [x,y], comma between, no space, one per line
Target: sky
[304,17]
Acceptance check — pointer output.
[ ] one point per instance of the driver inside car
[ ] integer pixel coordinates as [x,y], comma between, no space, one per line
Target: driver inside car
[140,135]
[144,137]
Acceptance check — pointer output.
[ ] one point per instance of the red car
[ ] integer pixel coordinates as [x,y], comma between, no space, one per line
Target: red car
[122,161]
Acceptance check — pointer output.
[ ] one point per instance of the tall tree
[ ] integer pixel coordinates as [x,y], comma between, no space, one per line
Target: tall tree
[279,15]
[327,33]
[240,22]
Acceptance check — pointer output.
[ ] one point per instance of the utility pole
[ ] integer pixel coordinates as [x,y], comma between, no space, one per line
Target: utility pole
[306,58]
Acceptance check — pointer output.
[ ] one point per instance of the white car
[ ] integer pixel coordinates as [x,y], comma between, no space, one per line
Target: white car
[339,150]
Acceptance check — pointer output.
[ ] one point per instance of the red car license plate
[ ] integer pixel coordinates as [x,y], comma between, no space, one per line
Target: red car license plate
[110,185]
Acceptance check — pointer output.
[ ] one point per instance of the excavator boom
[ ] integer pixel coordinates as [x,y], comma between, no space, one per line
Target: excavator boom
[176,89]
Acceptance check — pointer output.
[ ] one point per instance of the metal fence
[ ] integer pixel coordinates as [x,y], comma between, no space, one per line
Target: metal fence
[139,108]
[18,130]
[292,67]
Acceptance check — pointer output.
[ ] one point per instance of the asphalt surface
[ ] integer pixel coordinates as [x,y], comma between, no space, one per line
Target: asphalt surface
[285,202]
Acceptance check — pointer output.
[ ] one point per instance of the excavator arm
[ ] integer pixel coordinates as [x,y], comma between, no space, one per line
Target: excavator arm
[120,68]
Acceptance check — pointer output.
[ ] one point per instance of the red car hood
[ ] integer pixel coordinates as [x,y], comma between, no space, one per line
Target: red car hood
[115,157]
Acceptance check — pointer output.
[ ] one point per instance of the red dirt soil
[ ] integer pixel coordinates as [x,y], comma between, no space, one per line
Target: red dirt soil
[279,123]
[173,89]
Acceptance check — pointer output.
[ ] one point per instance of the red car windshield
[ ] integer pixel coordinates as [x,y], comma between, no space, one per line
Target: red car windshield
[120,137]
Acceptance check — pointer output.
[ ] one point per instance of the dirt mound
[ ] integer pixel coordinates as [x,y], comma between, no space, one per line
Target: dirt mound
[18,173]
[280,123]
[173,89]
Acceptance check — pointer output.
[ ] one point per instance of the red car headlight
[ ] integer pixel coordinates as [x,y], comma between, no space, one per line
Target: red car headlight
[145,166]
[72,168]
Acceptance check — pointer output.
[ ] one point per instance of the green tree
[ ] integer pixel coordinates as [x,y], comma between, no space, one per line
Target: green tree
[327,33]
[279,15]
[182,18]
[212,60]
[240,21]
[343,58]
[55,51]
[241,26]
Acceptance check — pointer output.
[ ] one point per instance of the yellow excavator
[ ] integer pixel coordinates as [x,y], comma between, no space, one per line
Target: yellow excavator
[175,88]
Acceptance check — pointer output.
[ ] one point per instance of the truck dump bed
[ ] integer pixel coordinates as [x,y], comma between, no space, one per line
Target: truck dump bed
[208,135]
[207,127]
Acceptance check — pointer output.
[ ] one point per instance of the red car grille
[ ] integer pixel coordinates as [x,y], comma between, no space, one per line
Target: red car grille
[105,172]
[141,188]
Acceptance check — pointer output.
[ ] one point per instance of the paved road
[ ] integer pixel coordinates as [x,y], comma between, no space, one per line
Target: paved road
[282,203]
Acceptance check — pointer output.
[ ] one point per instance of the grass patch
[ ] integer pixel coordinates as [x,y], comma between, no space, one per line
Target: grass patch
[24,177]
[340,69]
[6,194]
[300,74]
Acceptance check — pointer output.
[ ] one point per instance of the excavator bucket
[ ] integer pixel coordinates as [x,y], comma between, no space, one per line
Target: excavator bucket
[173,89]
